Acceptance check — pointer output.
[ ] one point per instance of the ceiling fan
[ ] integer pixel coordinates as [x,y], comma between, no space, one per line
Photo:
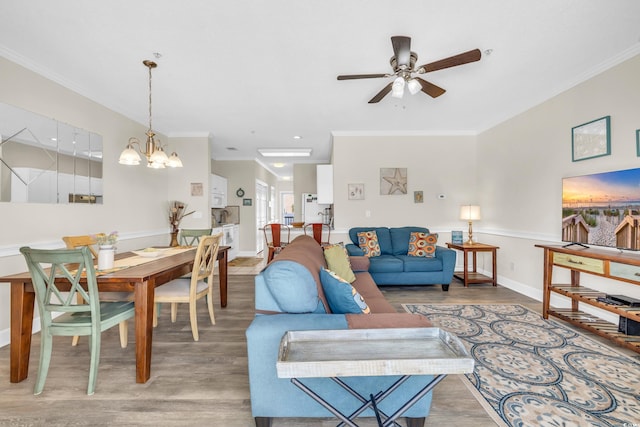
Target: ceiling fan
[403,63]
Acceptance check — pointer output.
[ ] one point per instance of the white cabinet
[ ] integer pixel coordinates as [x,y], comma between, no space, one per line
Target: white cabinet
[324,177]
[218,191]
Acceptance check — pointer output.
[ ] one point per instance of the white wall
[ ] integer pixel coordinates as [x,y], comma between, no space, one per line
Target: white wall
[435,165]
[522,161]
[195,153]
[135,197]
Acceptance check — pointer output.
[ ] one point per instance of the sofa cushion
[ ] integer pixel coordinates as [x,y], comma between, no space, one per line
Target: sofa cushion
[384,238]
[422,244]
[368,242]
[293,287]
[305,251]
[342,297]
[388,320]
[359,263]
[412,263]
[400,237]
[338,262]
[386,264]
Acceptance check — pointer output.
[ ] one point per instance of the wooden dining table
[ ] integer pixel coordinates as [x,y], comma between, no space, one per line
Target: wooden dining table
[140,279]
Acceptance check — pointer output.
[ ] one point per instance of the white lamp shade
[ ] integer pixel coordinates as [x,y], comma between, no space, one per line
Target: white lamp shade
[397,89]
[159,156]
[129,156]
[470,212]
[414,86]
[174,161]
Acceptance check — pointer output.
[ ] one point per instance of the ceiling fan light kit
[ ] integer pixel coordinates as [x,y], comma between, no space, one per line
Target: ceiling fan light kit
[403,63]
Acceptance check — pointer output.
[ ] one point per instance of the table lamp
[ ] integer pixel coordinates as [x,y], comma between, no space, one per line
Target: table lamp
[470,213]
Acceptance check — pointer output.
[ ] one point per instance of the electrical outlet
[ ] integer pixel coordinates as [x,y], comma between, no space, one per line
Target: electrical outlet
[197,214]
[367,213]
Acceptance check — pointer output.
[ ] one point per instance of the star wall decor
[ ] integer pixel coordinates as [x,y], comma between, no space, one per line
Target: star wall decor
[393,181]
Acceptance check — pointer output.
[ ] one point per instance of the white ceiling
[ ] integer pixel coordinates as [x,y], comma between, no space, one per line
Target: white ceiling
[255,73]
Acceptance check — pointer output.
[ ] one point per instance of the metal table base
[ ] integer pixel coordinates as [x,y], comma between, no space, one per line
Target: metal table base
[372,402]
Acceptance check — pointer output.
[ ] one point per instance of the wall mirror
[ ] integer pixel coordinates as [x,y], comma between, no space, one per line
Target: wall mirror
[46,161]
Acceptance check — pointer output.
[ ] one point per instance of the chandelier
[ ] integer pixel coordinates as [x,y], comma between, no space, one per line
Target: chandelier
[154,152]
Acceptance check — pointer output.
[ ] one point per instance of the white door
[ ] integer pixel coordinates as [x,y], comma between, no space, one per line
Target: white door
[262,191]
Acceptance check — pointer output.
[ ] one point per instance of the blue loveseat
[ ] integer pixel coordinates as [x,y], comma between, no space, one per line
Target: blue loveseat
[395,267]
[289,296]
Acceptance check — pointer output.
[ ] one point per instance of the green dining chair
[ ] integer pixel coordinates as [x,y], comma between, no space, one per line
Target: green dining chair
[57,275]
[191,236]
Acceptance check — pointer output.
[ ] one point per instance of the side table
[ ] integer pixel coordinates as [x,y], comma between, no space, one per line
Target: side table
[473,276]
[371,352]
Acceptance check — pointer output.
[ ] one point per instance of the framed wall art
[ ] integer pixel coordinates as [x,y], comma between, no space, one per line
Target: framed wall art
[418,197]
[591,139]
[355,191]
[393,181]
[638,142]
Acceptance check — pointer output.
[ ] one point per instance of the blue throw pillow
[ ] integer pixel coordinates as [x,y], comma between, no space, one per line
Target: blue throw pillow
[341,296]
[293,287]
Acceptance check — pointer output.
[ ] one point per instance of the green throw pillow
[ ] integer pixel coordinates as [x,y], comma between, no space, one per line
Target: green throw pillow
[338,262]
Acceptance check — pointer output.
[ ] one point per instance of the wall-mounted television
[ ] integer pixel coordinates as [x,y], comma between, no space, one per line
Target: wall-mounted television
[602,209]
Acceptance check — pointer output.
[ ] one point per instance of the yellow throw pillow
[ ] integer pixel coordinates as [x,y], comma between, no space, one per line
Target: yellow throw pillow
[422,244]
[338,262]
[368,242]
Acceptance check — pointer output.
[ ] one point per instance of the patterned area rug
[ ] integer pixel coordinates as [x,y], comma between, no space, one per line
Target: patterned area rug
[536,372]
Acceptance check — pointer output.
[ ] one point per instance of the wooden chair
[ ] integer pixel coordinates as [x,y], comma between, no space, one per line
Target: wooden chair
[189,290]
[191,237]
[321,232]
[274,237]
[90,318]
[75,242]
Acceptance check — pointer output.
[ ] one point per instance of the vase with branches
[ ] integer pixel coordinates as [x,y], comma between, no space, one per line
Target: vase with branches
[177,211]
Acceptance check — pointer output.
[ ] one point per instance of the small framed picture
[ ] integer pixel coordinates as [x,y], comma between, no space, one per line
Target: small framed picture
[456,237]
[355,191]
[592,139]
[638,142]
[418,197]
[196,189]
[246,202]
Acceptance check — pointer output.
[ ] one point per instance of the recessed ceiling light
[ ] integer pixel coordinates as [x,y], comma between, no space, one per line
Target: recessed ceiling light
[488,52]
[278,165]
[285,152]
[297,137]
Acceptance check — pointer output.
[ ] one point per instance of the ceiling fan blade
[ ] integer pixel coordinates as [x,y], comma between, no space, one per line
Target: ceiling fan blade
[452,61]
[402,49]
[361,76]
[429,88]
[381,94]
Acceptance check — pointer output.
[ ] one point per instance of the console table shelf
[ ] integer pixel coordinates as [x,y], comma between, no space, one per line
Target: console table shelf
[623,267]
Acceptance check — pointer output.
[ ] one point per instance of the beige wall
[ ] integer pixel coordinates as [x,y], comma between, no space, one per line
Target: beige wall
[436,165]
[522,161]
[135,197]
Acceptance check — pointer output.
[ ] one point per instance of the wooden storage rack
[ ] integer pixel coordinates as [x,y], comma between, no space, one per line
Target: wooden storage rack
[618,266]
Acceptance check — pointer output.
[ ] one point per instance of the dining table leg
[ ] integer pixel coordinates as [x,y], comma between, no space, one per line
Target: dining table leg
[144,300]
[222,272]
[22,303]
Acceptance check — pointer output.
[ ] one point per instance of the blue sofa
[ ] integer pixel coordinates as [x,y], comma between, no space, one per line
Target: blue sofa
[289,296]
[395,267]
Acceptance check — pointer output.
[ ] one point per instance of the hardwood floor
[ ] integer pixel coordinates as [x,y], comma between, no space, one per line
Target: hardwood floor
[205,382]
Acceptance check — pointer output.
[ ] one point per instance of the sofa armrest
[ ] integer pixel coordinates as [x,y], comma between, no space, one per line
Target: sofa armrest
[448,257]
[354,250]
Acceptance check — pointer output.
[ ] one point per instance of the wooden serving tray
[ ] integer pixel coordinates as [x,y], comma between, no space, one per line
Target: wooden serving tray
[371,352]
